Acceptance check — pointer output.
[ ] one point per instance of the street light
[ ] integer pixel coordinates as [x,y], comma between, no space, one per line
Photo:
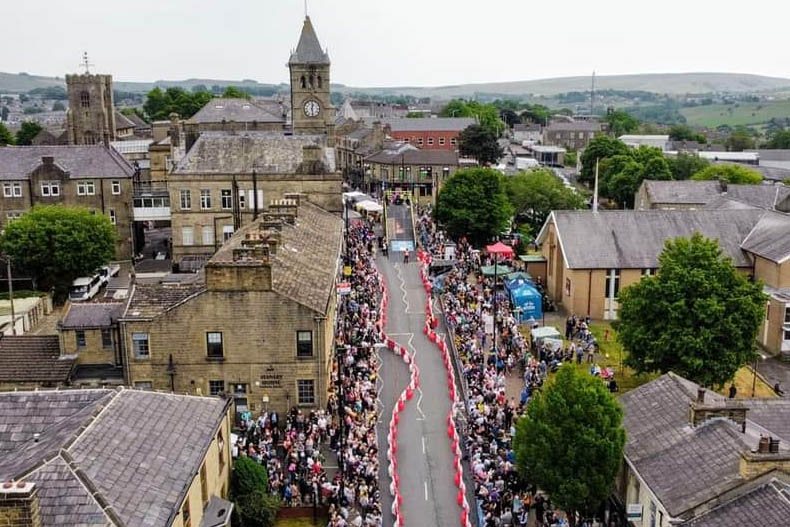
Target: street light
[754,372]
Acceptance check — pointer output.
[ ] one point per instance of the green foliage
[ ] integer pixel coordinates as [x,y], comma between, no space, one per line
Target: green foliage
[600,147]
[571,158]
[570,442]
[473,203]
[698,316]
[160,104]
[5,136]
[131,110]
[415,115]
[58,107]
[49,92]
[28,131]
[248,476]
[621,123]
[257,509]
[739,140]
[623,169]
[779,139]
[683,166]
[487,115]
[479,143]
[680,132]
[232,92]
[249,486]
[56,244]
[535,193]
[730,173]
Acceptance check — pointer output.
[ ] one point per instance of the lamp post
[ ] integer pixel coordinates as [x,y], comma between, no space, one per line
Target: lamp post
[754,372]
[10,293]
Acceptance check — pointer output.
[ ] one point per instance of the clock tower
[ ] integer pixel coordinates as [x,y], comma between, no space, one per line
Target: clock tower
[311,108]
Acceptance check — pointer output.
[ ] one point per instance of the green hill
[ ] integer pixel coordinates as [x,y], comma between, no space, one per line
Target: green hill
[736,114]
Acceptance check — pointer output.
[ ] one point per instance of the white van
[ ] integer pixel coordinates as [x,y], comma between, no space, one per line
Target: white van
[107,272]
[85,288]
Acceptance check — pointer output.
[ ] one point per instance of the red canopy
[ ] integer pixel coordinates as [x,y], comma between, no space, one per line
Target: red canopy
[500,249]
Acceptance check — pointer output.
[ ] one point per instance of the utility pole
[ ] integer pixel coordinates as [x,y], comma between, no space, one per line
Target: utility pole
[11,295]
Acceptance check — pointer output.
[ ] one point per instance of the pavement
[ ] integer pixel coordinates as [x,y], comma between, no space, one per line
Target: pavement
[774,370]
[425,462]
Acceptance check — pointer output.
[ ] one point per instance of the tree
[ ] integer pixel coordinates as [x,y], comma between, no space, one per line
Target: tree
[620,176]
[779,139]
[481,144]
[160,104]
[5,136]
[600,148]
[621,122]
[739,140]
[26,133]
[535,193]
[473,203]
[683,166]
[571,157]
[257,509]
[249,489]
[56,244]
[698,316]
[487,115]
[681,132]
[58,107]
[232,92]
[729,173]
[570,442]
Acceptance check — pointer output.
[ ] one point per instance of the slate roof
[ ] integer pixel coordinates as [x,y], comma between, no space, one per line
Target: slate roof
[631,239]
[682,192]
[415,157]
[94,162]
[149,301]
[576,126]
[767,506]
[309,51]
[82,315]
[121,121]
[112,442]
[763,196]
[770,238]
[269,152]
[234,109]
[28,358]
[428,124]
[305,263]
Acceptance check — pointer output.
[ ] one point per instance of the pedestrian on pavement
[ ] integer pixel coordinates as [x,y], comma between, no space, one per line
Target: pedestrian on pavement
[385,249]
[406,256]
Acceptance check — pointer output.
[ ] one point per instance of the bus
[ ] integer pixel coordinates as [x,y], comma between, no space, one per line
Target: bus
[85,288]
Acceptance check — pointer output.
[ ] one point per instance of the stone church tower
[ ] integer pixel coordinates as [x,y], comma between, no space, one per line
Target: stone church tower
[91,114]
[311,108]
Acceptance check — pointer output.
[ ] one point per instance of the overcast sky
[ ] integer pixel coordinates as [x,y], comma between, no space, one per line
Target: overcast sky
[408,42]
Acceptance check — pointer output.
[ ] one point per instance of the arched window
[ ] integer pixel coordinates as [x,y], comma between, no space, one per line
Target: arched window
[304,82]
[320,81]
[312,80]
[85,99]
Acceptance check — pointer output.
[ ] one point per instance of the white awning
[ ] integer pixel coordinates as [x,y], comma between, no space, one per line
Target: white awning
[369,206]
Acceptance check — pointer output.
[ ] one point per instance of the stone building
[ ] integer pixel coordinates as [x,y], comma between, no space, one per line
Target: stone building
[225,178]
[691,194]
[440,133]
[91,115]
[114,458]
[311,108]
[261,326]
[574,135]
[90,334]
[232,115]
[94,177]
[590,256]
[697,459]
[420,172]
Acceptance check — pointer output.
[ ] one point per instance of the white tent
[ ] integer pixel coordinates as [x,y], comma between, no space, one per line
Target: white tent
[369,206]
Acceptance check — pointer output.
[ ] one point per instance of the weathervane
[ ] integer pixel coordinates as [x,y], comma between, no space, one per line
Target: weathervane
[85,64]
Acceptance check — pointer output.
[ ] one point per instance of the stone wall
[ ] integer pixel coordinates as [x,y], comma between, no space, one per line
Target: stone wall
[19,505]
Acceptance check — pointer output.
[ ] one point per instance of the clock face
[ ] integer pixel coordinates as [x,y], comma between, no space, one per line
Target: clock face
[312,109]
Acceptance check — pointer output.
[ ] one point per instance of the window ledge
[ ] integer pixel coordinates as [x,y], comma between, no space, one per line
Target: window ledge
[215,359]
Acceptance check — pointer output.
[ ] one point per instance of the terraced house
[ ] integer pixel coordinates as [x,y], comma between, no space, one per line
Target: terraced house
[260,328]
[94,177]
[114,458]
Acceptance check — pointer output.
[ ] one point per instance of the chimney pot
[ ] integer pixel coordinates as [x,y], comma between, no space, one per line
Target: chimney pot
[8,485]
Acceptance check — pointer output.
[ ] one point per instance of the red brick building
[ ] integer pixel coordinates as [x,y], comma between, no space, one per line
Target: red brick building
[429,133]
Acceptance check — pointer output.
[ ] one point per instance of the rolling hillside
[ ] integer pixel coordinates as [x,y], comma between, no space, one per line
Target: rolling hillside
[670,83]
[736,114]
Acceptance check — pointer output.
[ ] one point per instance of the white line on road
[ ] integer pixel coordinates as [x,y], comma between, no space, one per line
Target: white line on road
[426,490]
[423,445]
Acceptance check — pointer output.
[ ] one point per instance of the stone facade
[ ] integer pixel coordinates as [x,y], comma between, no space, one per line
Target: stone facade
[311,108]
[95,177]
[91,113]
[19,505]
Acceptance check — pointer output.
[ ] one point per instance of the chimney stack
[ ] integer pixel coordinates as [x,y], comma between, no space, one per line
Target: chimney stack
[19,505]
[47,160]
[701,395]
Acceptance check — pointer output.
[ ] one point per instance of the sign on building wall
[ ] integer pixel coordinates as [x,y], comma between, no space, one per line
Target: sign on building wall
[634,512]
